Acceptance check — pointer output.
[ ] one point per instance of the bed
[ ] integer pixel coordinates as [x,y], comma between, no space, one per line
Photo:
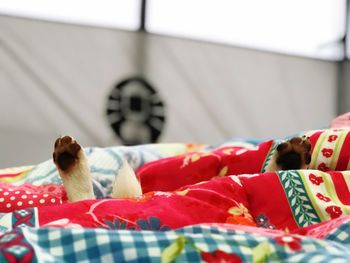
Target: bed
[201,203]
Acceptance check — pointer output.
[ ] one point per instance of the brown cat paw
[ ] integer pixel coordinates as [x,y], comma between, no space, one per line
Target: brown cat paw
[65,154]
[294,154]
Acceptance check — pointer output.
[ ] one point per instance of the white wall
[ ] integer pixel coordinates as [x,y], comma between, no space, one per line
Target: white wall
[55,79]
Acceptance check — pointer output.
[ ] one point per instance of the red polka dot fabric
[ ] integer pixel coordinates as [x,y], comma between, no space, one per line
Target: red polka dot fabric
[19,197]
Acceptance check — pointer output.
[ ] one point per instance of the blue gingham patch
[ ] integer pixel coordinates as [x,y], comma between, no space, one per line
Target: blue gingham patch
[101,245]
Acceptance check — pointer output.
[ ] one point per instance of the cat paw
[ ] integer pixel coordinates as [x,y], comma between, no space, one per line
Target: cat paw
[66,153]
[294,154]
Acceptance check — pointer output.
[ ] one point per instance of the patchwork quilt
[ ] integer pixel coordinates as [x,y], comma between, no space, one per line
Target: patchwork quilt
[201,203]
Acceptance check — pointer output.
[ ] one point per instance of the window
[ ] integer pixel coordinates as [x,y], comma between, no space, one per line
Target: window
[111,13]
[312,28]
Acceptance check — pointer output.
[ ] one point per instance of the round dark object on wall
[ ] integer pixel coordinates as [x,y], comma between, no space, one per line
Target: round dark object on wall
[135,112]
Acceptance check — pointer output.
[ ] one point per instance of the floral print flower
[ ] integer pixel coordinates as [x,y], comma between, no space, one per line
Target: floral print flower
[263,221]
[322,197]
[327,152]
[317,180]
[334,211]
[293,242]
[152,223]
[240,210]
[323,167]
[332,138]
[116,224]
[192,158]
[219,256]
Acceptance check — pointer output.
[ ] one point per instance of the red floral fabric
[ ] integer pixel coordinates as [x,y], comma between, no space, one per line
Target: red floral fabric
[208,202]
[168,174]
[267,197]
[225,185]
[171,173]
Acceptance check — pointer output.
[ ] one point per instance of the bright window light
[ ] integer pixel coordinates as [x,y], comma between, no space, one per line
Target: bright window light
[312,28]
[122,14]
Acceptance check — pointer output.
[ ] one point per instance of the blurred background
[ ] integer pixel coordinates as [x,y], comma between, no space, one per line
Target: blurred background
[112,72]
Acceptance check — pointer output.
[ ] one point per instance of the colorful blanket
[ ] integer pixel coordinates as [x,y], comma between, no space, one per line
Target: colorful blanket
[200,203]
